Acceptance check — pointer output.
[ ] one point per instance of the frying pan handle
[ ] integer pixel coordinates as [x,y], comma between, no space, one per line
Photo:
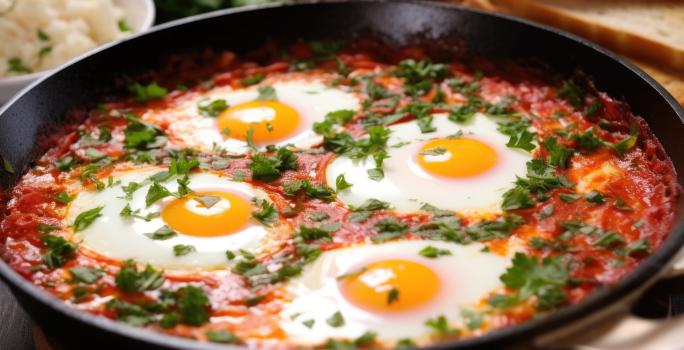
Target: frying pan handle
[632,333]
[619,331]
[677,268]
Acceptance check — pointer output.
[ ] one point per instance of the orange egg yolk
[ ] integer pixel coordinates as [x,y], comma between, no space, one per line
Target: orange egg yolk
[207,214]
[456,157]
[271,121]
[390,286]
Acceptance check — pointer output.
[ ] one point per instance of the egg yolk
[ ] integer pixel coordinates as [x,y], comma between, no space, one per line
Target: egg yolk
[271,121]
[456,157]
[390,286]
[207,214]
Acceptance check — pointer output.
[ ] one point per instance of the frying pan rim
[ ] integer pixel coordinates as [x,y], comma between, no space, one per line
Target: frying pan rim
[646,271]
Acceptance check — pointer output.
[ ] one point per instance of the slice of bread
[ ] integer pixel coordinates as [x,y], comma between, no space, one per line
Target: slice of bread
[567,15]
[647,29]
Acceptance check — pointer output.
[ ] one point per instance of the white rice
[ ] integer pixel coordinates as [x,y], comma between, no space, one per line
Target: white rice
[71,27]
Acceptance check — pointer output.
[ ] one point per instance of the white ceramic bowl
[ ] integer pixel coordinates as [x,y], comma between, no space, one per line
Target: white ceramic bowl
[139,15]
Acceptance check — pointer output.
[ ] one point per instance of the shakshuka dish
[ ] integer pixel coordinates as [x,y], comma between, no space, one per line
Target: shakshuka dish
[339,195]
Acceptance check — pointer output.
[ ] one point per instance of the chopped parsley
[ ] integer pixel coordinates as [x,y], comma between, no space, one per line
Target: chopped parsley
[595,197]
[183,249]
[557,155]
[441,326]
[151,91]
[14,65]
[127,212]
[341,183]
[572,93]
[319,191]
[267,213]
[254,79]
[269,168]
[333,119]
[543,279]
[211,108]
[392,296]
[493,229]
[142,136]
[419,76]
[130,280]
[63,197]
[86,218]
[155,193]
[336,320]
[267,93]
[123,26]
[222,336]
[85,274]
[58,250]
[433,252]
[42,36]
[162,233]
[388,229]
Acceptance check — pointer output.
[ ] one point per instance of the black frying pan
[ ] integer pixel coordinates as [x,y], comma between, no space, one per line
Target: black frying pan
[45,103]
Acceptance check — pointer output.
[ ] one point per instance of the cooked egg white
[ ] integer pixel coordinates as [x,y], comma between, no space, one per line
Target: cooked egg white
[222,222]
[356,282]
[464,167]
[286,119]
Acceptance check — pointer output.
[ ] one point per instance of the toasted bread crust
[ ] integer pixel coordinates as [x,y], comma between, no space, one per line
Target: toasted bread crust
[630,43]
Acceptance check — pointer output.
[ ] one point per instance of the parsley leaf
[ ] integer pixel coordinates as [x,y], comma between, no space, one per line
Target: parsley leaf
[433,252]
[522,140]
[128,212]
[388,229]
[543,279]
[320,191]
[572,93]
[267,214]
[142,136]
[267,93]
[152,91]
[595,197]
[493,229]
[557,154]
[58,250]
[392,296]
[130,280]
[254,79]
[341,183]
[85,274]
[15,65]
[365,210]
[183,249]
[156,192]
[86,218]
[211,108]
[162,233]
[64,198]
[517,198]
[222,336]
[269,168]
[629,142]
[336,320]
[420,76]
[441,325]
